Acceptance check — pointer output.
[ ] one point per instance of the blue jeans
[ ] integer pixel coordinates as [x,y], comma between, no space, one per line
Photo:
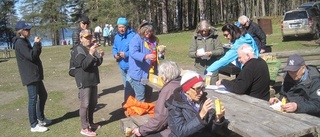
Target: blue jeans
[36,104]
[124,77]
[134,88]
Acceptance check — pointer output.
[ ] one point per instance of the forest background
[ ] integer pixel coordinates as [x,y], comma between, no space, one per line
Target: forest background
[51,17]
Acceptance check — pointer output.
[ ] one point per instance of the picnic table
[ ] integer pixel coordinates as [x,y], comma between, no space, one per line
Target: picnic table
[252,117]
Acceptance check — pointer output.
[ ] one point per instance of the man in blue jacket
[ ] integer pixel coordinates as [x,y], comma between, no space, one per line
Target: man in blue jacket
[120,50]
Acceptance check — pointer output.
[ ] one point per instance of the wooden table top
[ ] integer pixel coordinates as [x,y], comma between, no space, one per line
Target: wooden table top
[252,117]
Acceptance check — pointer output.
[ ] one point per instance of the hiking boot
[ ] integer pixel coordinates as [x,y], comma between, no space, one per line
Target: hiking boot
[94,126]
[88,132]
[39,128]
[44,122]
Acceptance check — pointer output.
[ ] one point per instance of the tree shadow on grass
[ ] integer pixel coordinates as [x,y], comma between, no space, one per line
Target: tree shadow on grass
[111,90]
[73,114]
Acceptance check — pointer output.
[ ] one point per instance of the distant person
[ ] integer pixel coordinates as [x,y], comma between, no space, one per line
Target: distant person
[253,79]
[31,73]
[141,59]
[169,72]
[84,24]
[106,34]
[112,33]
[68,42]
[236,38]
[205,39]
[87,79]
[255,31]
[97,32]
[301,88]
[120,49]
[191,113]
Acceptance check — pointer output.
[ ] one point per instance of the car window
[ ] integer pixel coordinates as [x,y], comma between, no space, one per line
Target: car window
[296,15]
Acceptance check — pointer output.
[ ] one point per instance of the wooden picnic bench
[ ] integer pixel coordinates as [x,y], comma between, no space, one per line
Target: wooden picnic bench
[252,117]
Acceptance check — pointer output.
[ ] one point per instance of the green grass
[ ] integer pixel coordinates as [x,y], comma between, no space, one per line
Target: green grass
[13,96]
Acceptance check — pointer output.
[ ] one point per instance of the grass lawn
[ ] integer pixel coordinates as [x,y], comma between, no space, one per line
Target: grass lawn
[13,96]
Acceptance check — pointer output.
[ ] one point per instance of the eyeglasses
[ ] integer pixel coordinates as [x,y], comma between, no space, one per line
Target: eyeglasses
[226,35]
[202,88]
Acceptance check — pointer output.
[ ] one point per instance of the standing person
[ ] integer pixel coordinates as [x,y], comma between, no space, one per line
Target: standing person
[253,79]
[106,34]
[206,39]
[120,50]
[140,60]
[191,113]
[169,72]
[111,36]
[255,31]
[31,73]
[301,87]
[87,79]
[236,38]
[97,32]
[84,24]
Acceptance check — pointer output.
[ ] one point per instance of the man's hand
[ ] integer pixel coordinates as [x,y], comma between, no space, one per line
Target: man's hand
[136,132]
[289,107]
[218,83]
[219,116]
[101,52]
[273,100]
[122,54]
[93,49]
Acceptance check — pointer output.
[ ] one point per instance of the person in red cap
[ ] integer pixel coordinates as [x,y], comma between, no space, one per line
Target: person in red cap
[301,88]
[31,73]
[191,113]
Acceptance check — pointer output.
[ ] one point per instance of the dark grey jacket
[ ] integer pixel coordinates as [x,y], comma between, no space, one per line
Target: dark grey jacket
[184,120]
[28,60]
[305,93]
[258,34]
[76,37]
[87,74]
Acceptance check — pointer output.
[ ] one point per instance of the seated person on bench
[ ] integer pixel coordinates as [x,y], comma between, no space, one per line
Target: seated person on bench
[301,88]
[158,125]
[236,37]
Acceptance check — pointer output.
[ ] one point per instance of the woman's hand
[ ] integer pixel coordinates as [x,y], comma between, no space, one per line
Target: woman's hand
[207,105]
[219,116]
[37,39]
[136,132]
[273,100]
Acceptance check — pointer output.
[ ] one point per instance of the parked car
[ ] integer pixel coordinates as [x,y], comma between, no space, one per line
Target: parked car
[309,5]
[301,22]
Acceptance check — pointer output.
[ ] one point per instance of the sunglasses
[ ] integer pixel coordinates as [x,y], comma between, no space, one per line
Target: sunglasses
[226,35]
[202,88]
[86,23]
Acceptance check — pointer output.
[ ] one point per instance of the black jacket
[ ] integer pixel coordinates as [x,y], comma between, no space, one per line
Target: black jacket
[252,80]
[305,93]
[184,120]
[28,60]
[87,72]
[76,37]
[258,34]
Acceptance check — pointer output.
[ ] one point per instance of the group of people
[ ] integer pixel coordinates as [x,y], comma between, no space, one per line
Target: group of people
[107,34]
[182,108]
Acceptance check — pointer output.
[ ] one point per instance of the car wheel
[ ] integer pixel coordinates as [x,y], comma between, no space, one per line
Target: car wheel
[317,33]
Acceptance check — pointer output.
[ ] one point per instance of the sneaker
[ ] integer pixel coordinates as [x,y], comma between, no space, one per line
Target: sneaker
[39,128]
[88,132]
[95,126]
[44,122]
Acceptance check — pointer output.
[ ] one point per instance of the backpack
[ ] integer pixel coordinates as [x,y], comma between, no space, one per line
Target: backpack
[73,54]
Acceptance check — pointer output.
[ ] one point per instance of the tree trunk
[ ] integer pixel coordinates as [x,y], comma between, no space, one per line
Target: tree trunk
[189,16]
[164,16]
[202,9]
[275,8]
[263,8]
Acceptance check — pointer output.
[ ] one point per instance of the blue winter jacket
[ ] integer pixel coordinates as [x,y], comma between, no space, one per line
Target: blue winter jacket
[139,67]
[232,54]
[106,32]
[121,44]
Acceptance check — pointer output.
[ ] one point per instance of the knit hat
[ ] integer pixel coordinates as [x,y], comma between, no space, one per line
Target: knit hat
[294,63]
[22,25]
[189,79]
[122,21]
